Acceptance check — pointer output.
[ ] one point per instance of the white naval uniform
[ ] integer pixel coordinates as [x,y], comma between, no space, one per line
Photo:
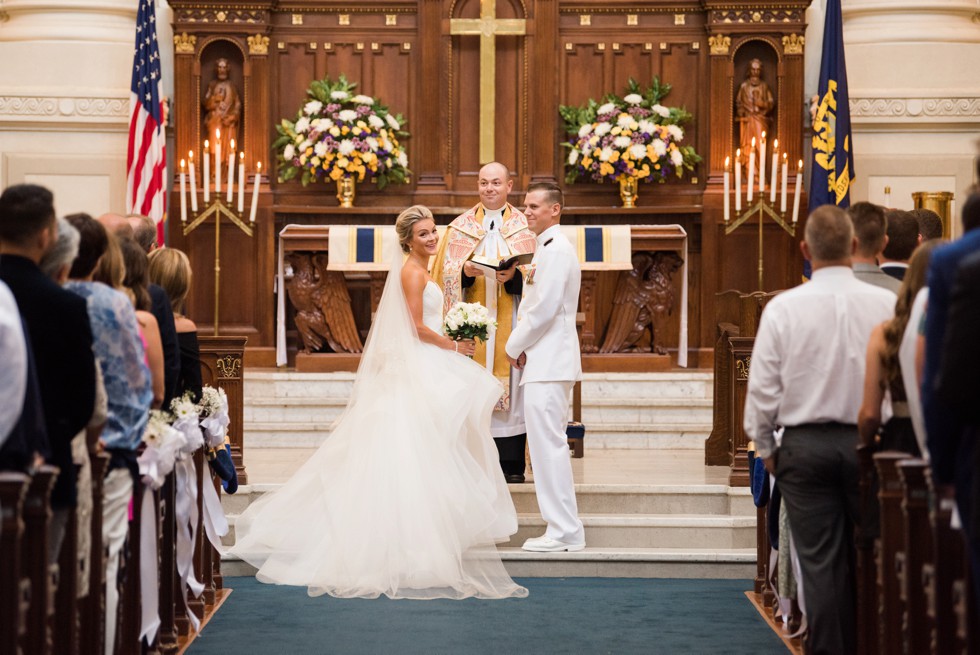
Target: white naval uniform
[546,334]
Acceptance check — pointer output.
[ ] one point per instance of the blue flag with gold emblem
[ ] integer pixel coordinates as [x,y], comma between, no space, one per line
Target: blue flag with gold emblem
[832,168]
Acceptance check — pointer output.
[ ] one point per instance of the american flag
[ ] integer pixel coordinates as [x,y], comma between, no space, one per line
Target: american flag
[146,156]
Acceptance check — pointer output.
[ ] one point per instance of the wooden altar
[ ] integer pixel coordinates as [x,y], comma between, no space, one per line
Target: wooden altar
[416,57]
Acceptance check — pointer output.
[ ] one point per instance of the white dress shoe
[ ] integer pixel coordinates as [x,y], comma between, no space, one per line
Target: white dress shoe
[546,544]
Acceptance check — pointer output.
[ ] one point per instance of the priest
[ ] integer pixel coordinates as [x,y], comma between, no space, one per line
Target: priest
[491,230]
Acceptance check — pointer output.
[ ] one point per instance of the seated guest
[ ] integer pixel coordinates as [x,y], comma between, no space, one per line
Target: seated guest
[930,224]
[13,354]
[134,227]
[903,238]
[134,283]
[870,226]
[144,231]
[59,331]
[129,387]
[884,373]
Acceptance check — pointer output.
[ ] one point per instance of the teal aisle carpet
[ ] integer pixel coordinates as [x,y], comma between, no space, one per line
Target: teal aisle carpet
[567,616]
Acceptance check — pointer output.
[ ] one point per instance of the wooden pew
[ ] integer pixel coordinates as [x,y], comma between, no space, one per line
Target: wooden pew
[13,590]
[917,550]
[130,601]
[66,626]
[92,607]
[34,561]
[167,635]
[888,549]
[866,571]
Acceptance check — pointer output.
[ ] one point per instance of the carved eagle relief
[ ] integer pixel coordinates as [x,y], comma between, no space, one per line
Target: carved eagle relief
[323,306]
[644,299]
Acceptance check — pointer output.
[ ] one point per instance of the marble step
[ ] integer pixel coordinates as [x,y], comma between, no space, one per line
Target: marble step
[595,412]
[735,563]
[626,500]
[285,434]
[680,531]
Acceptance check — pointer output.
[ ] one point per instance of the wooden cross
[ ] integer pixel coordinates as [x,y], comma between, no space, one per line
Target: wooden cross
[487,26]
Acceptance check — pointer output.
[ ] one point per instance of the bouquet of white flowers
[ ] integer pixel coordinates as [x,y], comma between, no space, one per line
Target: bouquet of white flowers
[214,415]
[468,320]
[185,419]
[163,444]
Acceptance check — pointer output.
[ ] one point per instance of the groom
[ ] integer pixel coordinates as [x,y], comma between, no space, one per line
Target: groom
[544,344]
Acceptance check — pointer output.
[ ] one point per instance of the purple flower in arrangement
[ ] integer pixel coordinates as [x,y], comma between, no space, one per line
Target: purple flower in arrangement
[363,110]
[332,107]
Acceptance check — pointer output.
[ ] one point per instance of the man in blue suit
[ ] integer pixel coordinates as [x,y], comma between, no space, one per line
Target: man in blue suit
[951,453]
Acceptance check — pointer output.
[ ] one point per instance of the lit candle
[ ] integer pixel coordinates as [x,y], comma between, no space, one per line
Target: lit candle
[231,171]
[762,164]
[217,163]
[183,194]
[782,203]
[727,199]
[241,182]
[206,180]
[190,163]
[775,170]
[256,181]
[796,197]
[738,180]
[748,193]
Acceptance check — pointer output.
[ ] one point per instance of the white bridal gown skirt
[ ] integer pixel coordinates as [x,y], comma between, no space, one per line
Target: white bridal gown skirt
[405,498]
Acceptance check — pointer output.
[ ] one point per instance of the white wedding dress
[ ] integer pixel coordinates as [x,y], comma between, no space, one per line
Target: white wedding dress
[405,498]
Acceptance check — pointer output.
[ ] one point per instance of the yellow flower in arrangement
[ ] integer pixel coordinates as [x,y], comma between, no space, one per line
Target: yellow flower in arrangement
[338,134]
[632,136]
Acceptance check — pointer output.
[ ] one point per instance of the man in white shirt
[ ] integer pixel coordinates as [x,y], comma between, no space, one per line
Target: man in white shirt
[807,375]
[544,344]
[13,354]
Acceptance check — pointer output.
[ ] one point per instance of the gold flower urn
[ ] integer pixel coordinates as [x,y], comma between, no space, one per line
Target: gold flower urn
[628,191]
[346,190]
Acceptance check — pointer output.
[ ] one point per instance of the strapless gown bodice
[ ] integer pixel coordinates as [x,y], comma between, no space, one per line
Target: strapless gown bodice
[432,300]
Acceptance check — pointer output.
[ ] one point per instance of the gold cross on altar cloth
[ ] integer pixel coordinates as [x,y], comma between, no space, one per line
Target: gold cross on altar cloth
[487,26]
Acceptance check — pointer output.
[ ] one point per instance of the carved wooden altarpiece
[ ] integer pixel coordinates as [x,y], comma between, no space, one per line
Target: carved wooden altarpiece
[421,58]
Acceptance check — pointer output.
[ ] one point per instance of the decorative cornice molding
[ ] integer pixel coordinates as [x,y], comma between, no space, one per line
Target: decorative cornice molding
[75,109]
[962,109]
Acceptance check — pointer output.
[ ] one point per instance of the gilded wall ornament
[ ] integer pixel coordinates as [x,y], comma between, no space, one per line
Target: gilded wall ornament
[258,45]
[793,44]
[185,44]
[720,44]
[229,366]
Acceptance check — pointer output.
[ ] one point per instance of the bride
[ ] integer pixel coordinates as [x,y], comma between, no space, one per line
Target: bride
[405,498]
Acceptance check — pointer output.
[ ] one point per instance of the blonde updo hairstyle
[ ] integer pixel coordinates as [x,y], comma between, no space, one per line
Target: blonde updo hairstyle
[405,224]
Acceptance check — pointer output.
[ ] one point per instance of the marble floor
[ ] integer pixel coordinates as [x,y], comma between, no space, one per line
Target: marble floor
[600,467]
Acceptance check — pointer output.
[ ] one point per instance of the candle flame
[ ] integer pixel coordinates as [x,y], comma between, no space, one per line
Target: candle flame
[763,135]
[190,155]
[217,134]
[800,165]
[232,145]
[206,144]
[181,164]
[785,157]
[738,153]
[775,144]
[753,142]
[241,156]
[726,162]
[259,166]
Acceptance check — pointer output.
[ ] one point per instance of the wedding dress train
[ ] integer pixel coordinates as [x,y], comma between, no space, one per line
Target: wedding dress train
[405,498]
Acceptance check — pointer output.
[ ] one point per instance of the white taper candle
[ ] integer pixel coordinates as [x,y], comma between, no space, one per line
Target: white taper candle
[206,180]
[796,197]
[190,165]
[217,163]
[256,181]
[762,164]
[738,180]
[782,203]
[727,199]
[241,182]
[231,172]
[748,192]
[775,170]
[183,193]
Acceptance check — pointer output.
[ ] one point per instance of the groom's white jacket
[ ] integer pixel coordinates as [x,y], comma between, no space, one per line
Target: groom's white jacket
[545,328]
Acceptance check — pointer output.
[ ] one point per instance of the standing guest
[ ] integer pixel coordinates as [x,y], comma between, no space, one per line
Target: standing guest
[144,231]
[544,344]
[170,269]
[120,354]
[134,284]
[13,354]
[58,327]
[870,227]
[952,447]
[134,227]
[806,376]
[884,372]
[959,385]
[902,239]
[930,224]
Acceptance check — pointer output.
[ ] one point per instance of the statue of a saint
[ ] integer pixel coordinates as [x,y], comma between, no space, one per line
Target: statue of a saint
[753,105]
[224,107]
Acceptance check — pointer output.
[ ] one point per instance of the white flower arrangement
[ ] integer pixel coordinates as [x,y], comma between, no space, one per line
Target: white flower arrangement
[214,415]
[468,320]
[185,419]
[163,446]
[629,137]
[340,135]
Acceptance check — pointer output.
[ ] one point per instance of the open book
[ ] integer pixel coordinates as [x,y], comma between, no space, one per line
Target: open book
[491,266]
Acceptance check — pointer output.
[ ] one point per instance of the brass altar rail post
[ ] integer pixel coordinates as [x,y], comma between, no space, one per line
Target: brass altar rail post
[217,209]
[763,208]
